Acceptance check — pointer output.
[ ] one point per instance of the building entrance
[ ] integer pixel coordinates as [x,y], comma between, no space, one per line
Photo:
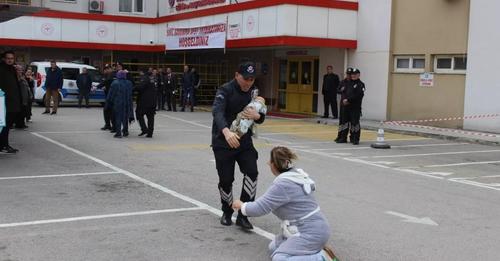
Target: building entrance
[299,92]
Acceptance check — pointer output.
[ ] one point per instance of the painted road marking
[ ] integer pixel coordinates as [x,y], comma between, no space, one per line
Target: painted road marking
[60,175]
[429,154]
[105,132]
[410,219]
[462,164]
[195,202]
[394,146]
[74,219]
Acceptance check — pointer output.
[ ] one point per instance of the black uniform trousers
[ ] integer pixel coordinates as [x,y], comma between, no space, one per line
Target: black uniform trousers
[108,116]
[331,101]
[171,103]
[349,122]
[160,99]
[150,114]
[225,160]
[10,118]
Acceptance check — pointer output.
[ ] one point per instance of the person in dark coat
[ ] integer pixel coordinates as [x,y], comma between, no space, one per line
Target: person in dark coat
[119,100]
[353,98]
[162,95]
[187,89]
[342,91]
[106,86]
[84,84]
[31,83]
[24,89]
[10,86]
[53,84]
[231,99]
[146,103]
[171,90]
[329,91]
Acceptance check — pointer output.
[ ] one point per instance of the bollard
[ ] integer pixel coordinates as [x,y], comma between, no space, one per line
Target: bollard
[380,144]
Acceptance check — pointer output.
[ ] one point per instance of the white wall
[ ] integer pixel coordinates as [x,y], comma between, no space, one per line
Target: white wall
[372,55]
[111,7]
[482,89]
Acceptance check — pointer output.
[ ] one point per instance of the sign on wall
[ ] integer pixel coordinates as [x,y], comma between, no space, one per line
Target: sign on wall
[234,31]
[426,80]
[192,5]
[203,37]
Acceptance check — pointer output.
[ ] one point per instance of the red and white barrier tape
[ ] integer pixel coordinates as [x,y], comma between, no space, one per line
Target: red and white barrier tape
[452,130]
[471,117]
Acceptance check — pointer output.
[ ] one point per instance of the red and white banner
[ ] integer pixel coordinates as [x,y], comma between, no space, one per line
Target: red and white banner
[203,37]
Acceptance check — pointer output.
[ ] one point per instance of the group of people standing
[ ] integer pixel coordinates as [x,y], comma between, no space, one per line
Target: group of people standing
[351,90]
[18,87]
[155,89]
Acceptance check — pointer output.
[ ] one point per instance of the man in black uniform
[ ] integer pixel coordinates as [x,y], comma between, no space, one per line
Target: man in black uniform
[106,85]
[230,99]
[329,91]
[171,90]
[342,91]
[161,91]
[351,111]
[146,102]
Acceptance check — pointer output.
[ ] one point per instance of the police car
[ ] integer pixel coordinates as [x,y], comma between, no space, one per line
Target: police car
[69,92]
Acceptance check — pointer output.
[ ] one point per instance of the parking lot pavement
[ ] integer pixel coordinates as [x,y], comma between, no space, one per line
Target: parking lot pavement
[75,193]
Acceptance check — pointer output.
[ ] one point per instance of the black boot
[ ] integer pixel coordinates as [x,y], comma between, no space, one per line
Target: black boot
[243,222]
[225,220]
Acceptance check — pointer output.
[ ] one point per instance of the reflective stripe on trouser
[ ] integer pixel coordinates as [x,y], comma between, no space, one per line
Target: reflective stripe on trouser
[225,160]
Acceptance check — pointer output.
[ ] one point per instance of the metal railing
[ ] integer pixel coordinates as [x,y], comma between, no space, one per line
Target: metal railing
[16,2]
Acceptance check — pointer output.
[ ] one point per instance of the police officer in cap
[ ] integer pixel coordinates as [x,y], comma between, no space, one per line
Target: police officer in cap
[231,99]
[351,100]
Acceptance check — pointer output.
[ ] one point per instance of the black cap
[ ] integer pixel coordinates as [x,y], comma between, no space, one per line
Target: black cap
[247,70]
[349,70]
[356,71]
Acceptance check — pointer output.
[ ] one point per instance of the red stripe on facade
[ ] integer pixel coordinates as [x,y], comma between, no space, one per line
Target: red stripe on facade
[199,13]
[240,43]
[258,4]
[80,45]
[291,41]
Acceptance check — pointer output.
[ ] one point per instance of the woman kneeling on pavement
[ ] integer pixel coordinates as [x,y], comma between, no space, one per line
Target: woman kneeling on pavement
[305,231]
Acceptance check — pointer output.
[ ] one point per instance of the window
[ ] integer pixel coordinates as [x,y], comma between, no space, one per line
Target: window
[409,64]
[129,6]
[70,73]
[450,63]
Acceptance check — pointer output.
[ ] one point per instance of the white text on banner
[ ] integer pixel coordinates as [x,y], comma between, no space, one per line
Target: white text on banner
[203,37]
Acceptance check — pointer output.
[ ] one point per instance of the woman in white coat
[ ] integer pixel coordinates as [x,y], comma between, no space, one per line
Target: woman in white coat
[305,231]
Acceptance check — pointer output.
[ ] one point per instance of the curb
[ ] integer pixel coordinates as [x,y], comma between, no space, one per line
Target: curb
[374,127]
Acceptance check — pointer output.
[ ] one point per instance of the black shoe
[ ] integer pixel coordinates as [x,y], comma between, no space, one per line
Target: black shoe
[106,128]
[9,150]
[340,141]
[53,113]
[243,222]
[163,109]
[117,136]
[112,131]
[125,134]
[142,133]
[46,112]
[150,135]
[335,118]
[182,109]
[225,220]
[324,117]
[169,110]
[356,142]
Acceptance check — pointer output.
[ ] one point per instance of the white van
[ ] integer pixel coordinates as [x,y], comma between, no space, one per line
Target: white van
[69,92]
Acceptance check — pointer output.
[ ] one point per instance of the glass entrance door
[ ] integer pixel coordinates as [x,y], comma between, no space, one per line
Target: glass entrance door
[300,85]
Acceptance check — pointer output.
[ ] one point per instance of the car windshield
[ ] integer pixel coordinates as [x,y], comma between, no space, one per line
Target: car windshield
[95,75]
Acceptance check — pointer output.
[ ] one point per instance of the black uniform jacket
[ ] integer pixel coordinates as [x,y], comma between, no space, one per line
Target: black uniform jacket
[229,101]
[146,98]
[355,91]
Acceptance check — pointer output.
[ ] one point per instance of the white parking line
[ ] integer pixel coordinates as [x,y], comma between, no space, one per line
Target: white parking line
[73,219]
[462,164]
[195,202]
[428,154]
[60,175]
[394,146]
